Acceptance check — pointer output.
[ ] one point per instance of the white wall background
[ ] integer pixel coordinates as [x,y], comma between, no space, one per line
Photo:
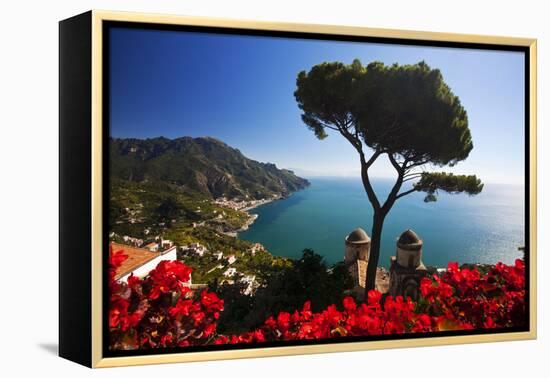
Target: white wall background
[28,155]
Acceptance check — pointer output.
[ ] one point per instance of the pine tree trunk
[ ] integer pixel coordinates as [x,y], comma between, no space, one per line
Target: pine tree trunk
[376,241]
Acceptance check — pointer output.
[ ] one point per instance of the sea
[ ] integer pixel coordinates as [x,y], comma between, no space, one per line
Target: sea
[485,228]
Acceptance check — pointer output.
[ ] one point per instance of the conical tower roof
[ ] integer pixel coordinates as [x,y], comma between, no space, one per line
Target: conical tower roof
[409,240]
[358,236]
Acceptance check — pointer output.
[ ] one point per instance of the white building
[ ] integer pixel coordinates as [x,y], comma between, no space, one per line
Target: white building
[256,248]
[195,248]
[132,240]
[251,283]
[165,243]
[153,247]
[140,261]
[230,272]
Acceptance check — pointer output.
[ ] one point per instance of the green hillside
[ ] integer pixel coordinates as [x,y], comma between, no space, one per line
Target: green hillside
[202,165]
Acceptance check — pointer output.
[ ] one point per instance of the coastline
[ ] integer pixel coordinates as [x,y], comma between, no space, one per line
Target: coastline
[252,217]
[261,203]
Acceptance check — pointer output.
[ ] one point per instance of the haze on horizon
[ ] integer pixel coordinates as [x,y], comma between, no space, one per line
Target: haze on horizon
[239,89]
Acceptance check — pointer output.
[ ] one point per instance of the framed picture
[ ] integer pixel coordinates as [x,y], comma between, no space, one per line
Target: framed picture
[236,189]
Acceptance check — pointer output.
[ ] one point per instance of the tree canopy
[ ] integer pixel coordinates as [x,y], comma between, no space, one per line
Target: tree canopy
[285,289]
[431,182]
[405,112]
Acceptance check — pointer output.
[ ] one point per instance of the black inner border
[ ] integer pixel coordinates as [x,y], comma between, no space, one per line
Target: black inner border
[108,25]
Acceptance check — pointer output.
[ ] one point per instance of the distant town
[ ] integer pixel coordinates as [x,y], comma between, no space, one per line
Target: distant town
[144,254]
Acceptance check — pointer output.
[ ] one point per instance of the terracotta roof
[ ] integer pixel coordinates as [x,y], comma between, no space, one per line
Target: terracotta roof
[136,258]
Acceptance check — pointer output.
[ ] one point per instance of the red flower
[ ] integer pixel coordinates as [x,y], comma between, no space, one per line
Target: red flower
[271,323]
[115,261]
[452,267]
[332,315]
[349,304]
[116,258]
[211,302]
[182,308]
[283,320]
[374,297]
[168,277]
[209,329]
[222,339]
[306,311]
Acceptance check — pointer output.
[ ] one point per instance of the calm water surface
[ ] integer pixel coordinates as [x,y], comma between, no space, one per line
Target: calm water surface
[485,228]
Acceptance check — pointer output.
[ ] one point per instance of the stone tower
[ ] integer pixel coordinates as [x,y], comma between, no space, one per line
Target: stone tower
[406,267]
[356,257]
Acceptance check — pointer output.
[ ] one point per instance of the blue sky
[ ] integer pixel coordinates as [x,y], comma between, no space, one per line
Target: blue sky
[239,89]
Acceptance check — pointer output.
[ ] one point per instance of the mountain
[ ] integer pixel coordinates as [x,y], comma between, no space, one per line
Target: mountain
[204,165]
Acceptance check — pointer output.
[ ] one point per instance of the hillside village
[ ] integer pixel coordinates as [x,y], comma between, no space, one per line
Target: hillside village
[193,213]
[215,253]
[222,265]
[143,259]
[245,205]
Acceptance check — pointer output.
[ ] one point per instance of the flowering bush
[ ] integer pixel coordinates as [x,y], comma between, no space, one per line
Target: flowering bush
[396,316]
[459,299]
[161,311]
[466,299]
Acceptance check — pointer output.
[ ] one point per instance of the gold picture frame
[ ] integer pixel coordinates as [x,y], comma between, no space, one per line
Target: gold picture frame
[93,25]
